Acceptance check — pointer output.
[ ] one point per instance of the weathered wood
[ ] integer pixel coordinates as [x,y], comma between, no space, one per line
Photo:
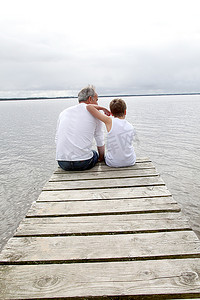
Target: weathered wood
[142,159]
[114,193]
[70,208]
[133,223]
[103,183]
[67,176]
[157,279]
[101,167]
[138,165]
[101,247]
[105,232]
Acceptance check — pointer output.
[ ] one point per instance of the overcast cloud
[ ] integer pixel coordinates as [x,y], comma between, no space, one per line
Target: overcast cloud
[128,46]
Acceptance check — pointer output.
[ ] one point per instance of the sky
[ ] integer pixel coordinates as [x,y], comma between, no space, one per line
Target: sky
[120,46]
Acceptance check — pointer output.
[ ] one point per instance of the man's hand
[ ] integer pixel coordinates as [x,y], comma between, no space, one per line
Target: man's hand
[101,151]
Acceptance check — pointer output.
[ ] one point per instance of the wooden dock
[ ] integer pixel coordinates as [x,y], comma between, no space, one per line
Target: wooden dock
[103,233]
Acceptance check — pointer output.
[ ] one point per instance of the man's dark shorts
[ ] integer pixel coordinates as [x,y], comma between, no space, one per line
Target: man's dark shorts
[79,165]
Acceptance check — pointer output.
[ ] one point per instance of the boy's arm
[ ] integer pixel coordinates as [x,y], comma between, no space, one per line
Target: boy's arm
[94,110]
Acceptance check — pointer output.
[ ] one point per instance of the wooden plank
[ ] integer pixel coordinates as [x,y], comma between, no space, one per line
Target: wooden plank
[111,232]
[143,159]
[178,277]
[100,247]
[175,278]
[114,193]
[70,208]
[138,165]
[103,183]
[102,167]
[103,175]
[133,223]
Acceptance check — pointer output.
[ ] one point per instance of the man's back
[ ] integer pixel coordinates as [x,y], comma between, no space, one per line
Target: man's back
[75,131]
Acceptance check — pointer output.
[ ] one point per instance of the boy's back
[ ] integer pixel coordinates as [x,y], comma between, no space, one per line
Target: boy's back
[120,151]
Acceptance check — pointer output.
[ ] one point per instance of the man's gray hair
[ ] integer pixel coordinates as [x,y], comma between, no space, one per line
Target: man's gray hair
[86,92]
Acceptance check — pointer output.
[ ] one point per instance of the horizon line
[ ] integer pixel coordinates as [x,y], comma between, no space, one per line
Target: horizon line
[102,96]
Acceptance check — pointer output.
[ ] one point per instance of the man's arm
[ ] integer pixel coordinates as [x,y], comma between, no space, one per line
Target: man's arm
[94,110]
[101,151]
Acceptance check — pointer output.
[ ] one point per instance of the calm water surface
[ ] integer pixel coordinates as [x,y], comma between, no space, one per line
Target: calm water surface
[168,129]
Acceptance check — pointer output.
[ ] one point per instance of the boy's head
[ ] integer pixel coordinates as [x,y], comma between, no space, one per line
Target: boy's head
[118,107]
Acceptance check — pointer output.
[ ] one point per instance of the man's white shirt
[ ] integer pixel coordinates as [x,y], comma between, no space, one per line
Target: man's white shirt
[76,129]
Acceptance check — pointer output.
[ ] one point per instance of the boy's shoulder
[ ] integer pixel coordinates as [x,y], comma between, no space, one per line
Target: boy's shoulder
[123,123]
[128,126]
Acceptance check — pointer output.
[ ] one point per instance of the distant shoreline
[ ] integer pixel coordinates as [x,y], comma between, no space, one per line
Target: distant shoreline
[102,96]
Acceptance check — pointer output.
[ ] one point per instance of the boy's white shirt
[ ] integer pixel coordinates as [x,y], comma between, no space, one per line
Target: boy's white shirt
[119,146]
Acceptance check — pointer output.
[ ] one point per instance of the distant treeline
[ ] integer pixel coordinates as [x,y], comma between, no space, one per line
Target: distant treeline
[103,96]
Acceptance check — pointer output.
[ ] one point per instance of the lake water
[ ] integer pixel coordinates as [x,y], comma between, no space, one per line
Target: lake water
[168,129]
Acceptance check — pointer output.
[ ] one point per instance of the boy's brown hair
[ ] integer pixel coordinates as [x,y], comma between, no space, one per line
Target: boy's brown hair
[118,107]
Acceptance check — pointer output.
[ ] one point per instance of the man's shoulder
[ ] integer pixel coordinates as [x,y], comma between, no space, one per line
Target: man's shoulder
[68,109]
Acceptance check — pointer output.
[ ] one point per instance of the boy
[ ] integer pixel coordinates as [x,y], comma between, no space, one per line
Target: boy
[120,151]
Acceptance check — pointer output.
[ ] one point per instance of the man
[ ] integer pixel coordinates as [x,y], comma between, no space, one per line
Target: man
[76,129]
